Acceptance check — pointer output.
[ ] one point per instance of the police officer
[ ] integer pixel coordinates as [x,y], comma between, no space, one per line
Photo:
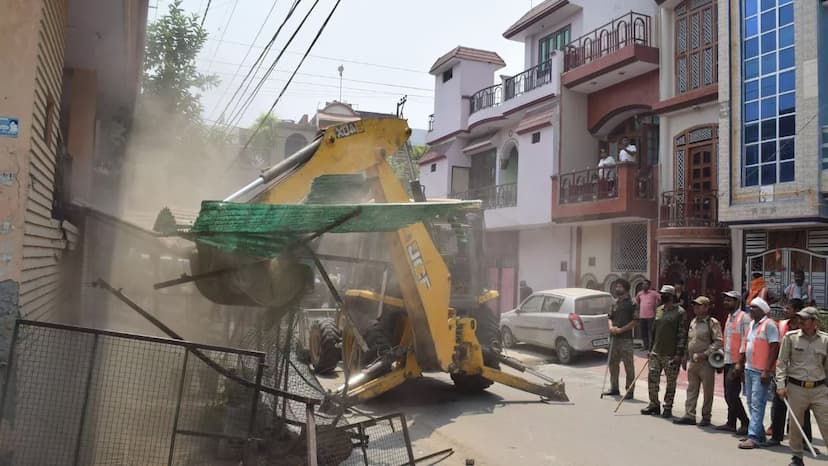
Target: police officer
[800,375]
[705,337]
[668,346]
[623,319]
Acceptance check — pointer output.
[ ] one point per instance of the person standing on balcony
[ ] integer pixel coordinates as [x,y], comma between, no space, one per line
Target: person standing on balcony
[647,300]
[605,162]
[628,151]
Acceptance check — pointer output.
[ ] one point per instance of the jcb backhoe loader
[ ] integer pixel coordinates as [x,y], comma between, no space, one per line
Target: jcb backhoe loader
[440,323]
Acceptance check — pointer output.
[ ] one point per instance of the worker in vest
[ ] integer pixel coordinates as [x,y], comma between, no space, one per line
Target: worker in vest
[757,288]
[757,357]
[737,324]
[803,368]
[800,289]
[779,412]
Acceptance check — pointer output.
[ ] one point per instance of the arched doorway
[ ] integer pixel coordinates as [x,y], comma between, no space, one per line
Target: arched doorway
[509,160]
[293,143]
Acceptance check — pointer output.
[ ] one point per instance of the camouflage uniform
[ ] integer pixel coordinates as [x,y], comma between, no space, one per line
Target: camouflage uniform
[669,340]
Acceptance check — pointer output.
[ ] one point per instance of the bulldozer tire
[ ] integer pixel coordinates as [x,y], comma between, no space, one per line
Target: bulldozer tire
[488,334]
[378,341]
[324,350]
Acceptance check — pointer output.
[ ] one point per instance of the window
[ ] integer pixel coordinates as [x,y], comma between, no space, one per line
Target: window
[433,167]
[593,306]
[768,93]
[532,304]
[629,247]
[448,74]
[536,137]
[552,304]
[555,41]
[696,44]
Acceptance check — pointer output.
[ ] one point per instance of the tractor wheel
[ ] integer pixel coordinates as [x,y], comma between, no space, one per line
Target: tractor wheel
[488,334]
[378,341]
[324,338]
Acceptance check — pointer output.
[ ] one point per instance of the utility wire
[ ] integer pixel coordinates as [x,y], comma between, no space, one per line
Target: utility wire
[205,12]
[249,49]
[296,70]
[223,32]
[249,100]
[343,60]
[257,65]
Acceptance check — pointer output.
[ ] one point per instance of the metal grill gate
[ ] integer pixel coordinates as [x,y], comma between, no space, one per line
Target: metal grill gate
[779,265]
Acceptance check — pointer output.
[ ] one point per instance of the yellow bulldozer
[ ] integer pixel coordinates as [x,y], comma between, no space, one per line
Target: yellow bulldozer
[438,321]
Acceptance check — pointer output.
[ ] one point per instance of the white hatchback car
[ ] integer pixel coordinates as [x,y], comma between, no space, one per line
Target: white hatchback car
[567,320]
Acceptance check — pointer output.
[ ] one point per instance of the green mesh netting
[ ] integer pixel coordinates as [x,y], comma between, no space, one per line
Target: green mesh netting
[264,230]
[338,189]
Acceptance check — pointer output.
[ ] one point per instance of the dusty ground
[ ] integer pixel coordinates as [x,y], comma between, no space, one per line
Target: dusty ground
[503,426]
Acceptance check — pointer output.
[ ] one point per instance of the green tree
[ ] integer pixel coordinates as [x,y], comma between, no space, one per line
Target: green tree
[265,138]
[171,77]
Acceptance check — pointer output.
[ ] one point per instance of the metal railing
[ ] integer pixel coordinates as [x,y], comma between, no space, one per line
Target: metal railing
[630,29]
[431,122]
[519,84]
[533,78]
[825,146]
[492,197]
[595,184]
[686,208]
[487,97]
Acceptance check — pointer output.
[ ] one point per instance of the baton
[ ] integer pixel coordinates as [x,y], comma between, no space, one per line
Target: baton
[793,417]
[632,385]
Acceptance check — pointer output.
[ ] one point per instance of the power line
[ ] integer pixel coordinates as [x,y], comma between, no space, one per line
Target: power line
[249,49]
[344,60]
[205,12]
[223,32]
[238,115]
[258,63]
[377,83]
[290,79]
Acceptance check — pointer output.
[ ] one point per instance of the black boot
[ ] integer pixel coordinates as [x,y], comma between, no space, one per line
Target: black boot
[667,413]
[796,461]
[613,392]
[651,410]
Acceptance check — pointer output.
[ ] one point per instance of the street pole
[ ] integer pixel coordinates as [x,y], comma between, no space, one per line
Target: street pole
[340,69]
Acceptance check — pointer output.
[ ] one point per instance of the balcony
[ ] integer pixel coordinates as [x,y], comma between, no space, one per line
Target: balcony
[537,82]
[610,54]
[491,197]
[687,216]
[622,191]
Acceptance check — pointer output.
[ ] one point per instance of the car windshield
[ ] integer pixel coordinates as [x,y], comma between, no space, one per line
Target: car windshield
[593,305]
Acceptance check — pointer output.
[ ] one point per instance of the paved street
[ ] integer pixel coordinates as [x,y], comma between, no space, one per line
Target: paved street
[505,426]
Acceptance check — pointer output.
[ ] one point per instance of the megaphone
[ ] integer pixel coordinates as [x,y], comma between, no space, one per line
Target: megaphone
[717,359]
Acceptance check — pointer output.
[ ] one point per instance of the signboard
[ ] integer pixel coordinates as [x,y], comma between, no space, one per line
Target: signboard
[9,127]
[766,193]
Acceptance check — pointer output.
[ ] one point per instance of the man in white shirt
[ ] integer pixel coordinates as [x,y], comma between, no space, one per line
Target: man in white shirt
[628,151]
[604,163]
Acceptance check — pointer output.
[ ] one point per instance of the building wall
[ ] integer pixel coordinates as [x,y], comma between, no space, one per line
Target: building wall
[541,253]
[797,199]
[451,103]
[596,243]
[436,184]
[579,148]
[670,126]
[637,92]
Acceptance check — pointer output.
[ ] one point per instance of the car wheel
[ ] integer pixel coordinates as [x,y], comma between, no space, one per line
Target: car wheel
[508,338]
[564,351]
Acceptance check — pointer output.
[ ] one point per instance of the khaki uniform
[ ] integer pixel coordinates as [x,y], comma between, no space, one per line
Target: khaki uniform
[803,360]
[704,336]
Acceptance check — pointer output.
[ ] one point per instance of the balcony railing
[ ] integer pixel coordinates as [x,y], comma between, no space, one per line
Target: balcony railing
[688,209]
[595,184]
[492,197]
[517,85]
[630,29]
[487,97]
[528,80]
[431,122]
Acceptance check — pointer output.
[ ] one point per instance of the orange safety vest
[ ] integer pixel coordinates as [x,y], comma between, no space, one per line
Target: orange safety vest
[733,334]
[783,328]
[760,352]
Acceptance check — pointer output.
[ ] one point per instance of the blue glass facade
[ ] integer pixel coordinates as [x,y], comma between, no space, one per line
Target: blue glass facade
[768,92]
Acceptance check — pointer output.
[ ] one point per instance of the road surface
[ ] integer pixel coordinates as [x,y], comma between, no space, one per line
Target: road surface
[503,426]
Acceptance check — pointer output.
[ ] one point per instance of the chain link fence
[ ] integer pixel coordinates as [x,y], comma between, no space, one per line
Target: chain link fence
[80,396]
